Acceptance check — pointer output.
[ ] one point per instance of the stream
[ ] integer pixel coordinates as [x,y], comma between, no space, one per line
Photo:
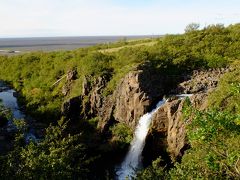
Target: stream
[9,101]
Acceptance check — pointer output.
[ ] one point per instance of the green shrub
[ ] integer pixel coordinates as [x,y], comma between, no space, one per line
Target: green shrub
[154,172]
[214,153]
[57,156]
[122,134]
[227,94]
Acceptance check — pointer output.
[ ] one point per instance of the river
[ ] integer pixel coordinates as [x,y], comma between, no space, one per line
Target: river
[9,101]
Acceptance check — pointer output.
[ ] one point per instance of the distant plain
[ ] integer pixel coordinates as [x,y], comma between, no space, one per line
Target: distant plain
[20,45]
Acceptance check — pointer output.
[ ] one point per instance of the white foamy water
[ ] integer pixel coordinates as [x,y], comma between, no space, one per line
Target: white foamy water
[182,96]
[132,161]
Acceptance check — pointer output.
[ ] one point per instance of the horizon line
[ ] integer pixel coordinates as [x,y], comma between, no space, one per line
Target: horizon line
[69,36]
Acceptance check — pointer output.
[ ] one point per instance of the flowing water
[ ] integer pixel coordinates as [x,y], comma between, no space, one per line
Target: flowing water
[10,102]
[132,161]
[182,96]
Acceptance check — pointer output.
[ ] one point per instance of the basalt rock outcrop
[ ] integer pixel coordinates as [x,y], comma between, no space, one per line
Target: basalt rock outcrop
[70,77]
[130,101]
[167,135]
[89,103]
[201,81]
[135,95]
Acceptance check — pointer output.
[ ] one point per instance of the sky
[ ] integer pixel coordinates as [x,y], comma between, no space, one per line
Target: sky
[41,18]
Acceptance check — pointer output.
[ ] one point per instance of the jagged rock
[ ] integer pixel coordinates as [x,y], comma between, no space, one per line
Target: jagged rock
[95,97]
[106,114]
[89,103]
[86,86]
[92,96]
[176,129]
[201,81]
[130,101]
[66,89]
[169,126]
[71,75]
[137,93]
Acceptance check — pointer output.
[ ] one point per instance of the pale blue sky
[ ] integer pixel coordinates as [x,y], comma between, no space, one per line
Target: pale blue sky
[31,18]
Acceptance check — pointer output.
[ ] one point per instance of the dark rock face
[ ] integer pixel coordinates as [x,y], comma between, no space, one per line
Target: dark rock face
[71,108]
[130,101]
[201,81]
[135,95]
[71,75]
[168,124]
[168,128]
[95,97]
[92,96]
[3,121]
[89,103]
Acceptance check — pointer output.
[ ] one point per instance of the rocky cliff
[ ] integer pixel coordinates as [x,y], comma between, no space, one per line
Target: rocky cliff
[167,135]
[135,95]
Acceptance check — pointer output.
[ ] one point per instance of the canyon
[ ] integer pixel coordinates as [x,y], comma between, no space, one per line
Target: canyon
[136,94]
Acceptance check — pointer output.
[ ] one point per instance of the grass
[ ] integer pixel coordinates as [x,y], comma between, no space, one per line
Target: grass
[111,50]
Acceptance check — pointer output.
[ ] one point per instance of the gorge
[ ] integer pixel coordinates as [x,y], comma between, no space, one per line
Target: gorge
[137,93]
[96,109]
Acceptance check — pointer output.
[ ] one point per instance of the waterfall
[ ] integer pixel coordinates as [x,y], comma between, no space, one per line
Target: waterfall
[132,161]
